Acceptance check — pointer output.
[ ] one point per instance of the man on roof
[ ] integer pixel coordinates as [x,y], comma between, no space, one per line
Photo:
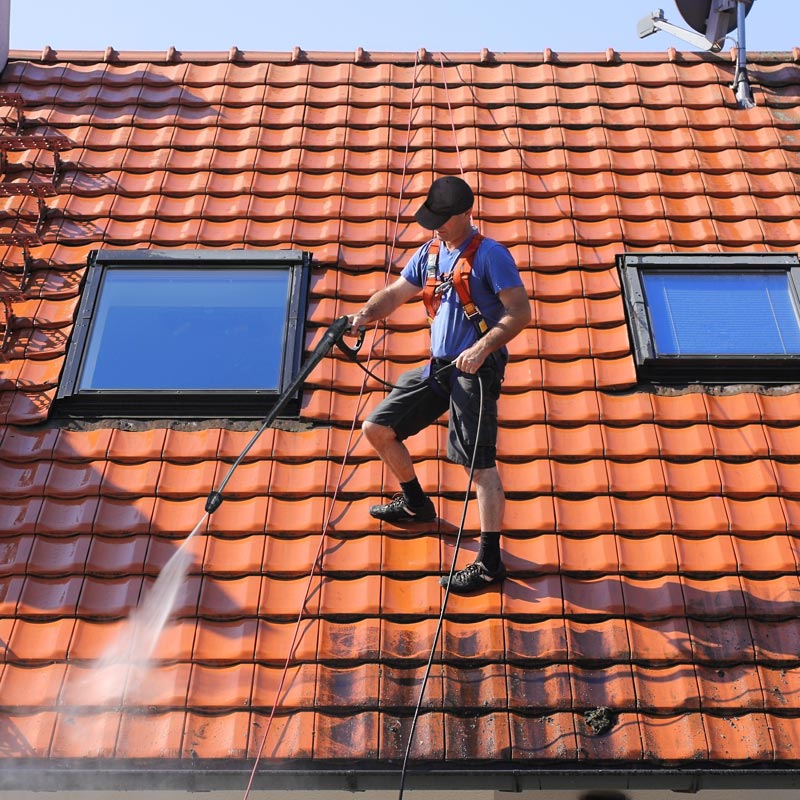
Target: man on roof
[476,304]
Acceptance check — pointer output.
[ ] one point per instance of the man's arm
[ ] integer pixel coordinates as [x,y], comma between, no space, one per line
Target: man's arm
[517,315]
[382,303]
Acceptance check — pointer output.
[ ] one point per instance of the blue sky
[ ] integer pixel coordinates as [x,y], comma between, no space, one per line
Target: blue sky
[449,26]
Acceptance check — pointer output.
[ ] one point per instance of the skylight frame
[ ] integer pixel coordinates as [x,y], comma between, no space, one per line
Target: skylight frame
[75,401]
[703,368]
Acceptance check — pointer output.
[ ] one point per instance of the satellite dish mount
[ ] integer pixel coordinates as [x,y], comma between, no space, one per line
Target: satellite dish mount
[711,21]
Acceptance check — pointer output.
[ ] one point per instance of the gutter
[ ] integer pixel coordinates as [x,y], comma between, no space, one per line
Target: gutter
[28,776]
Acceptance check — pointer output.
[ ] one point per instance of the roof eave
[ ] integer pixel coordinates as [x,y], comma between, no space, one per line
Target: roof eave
[209,775]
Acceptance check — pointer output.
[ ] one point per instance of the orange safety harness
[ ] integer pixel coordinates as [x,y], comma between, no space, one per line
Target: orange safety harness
[459,278]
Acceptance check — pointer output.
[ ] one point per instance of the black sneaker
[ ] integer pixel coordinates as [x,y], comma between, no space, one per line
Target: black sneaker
[397,510]
[473,577]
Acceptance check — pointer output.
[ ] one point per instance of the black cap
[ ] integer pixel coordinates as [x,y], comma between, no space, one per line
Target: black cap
[447,196]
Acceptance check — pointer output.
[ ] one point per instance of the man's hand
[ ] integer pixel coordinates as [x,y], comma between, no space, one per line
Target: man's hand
[357,324]
[471,359]
[517,315]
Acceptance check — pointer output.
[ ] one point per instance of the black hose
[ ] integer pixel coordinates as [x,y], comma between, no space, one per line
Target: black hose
[331,336]
[438,632]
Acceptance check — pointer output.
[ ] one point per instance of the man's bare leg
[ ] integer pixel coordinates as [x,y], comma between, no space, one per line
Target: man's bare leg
[413,505]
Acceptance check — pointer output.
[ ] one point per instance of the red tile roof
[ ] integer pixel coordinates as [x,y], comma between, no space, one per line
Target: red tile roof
[650,534]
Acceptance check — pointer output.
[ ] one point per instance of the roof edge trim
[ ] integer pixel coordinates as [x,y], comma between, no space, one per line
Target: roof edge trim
[363,56]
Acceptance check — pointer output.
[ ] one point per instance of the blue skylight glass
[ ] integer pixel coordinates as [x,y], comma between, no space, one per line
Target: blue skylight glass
[722,313]
[188,329]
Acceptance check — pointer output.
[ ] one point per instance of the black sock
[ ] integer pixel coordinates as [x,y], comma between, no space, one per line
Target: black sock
[413,493]
[489,552]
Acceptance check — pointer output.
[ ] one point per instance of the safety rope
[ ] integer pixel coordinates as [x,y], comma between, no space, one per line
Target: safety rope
[334,498]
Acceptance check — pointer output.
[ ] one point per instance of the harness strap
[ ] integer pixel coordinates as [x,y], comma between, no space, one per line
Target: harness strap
[459,277]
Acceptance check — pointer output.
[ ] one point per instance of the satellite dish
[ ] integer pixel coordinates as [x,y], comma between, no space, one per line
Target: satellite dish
[715,19]
[711,21]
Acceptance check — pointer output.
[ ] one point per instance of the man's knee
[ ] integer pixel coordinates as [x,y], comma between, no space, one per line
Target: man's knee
[488,477]
[377,434]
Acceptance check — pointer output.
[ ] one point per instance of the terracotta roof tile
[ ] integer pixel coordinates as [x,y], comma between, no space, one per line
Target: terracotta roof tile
[707,556]
[648,531]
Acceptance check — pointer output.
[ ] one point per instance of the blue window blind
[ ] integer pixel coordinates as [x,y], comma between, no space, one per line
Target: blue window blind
[721,313]
[195,329]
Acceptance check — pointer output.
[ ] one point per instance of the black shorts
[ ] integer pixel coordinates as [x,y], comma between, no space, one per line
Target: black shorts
[408,410]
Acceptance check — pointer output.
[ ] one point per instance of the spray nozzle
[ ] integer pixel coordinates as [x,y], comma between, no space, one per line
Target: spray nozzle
[213,502]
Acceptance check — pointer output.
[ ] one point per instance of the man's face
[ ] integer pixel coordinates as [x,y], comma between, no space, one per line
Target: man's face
[456,228]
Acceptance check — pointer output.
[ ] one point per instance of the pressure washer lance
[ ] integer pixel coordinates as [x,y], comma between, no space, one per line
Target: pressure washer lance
[331,337]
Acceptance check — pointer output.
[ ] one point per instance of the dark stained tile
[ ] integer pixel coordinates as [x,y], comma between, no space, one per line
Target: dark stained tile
[608,687]
[353,687]
[19,517]
[350,640]
[429,736]
[730,687]
[343,737]
[621,741]
[675,738]
[713,598]
[482,640]
[598,641]
[475,688]
[737,738]
[400,687]
[14,554]
[485,737]
[727,641]
[551,736]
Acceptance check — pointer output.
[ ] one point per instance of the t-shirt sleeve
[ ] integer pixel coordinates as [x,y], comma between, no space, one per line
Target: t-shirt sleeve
[501,269]
[415,270]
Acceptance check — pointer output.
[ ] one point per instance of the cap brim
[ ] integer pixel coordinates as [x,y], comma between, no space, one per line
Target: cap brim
[428,219]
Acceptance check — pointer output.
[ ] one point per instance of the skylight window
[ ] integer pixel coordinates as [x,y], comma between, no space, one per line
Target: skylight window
[714,318]
[189,334]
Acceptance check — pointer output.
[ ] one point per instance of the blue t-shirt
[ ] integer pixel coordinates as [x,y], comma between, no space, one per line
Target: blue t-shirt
[493,270]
